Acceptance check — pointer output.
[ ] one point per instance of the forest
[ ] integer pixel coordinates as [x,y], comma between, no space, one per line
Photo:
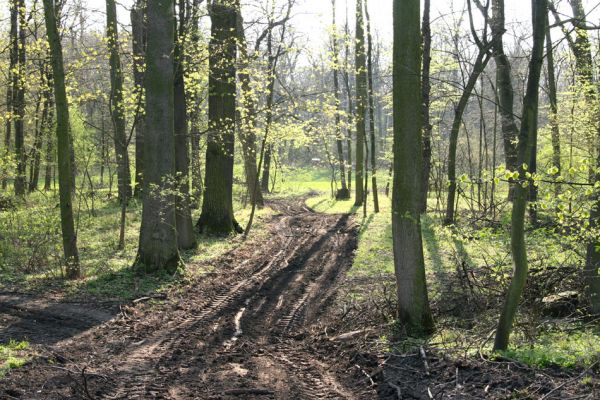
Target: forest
[299,199]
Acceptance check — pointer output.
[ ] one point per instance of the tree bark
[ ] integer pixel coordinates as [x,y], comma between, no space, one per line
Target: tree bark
[343,193]
[217,204]
[247,131]
[138,31]
[525,149]
[65,172]
[186,238]
[19,102]
[413,303]
[480,63]
[117,105]
[426,89]
[158,236]
[553,100]
[504,86]
[361,104]
[371,93]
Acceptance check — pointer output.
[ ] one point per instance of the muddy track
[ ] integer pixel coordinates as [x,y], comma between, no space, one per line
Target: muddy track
[235,334]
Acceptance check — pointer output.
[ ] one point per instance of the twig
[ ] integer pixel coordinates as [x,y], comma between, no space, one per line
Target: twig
[365,373]
[424,357]
[547,395]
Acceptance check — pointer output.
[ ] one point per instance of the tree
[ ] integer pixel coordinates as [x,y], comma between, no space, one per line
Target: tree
[483,57]
[185,227]
[525,148]
[343,192]
[138,32]
[371,110]
[65,169]
[361,104]
[158,236]
[217,203]
[409,264]
[19,100]
[504,85]
[426,88]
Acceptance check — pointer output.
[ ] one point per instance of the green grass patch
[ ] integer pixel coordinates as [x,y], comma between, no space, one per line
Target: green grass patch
[568,350]
[12,355]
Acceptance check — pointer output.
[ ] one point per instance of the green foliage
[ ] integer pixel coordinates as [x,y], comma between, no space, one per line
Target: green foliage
[563,349]
[12,355]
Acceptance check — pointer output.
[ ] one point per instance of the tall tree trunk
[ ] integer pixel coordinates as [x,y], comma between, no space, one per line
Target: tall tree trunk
[186,237]
[158,236]
[480,63]
[525,148]
[49,161]
[371,110]
[65,172]
[13,47]
[351,114]
[247,131]
[19,102]
[413,303]
[264,182]
[361,103]
[116,102]
[582,50]
[217,204]
[138,31]
[40,133]
[426,88]
[343,193]
[504,86]
[552,98]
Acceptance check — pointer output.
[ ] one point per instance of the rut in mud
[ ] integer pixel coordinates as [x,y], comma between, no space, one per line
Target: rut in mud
[237,333]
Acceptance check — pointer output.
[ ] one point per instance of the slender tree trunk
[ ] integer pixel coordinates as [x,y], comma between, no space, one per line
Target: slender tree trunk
[158,235]
[504,86]
[413,303]
[116,102]
[186,238]
[19,102]
[217,204]
[426,88]
[343,193]
[49,134]
[351,114]
[552,98]
[264,182]
[13,57]
[525,148]
[40,133]
[480,63]
[138,31]
[371,94]
[247,131]
[65,172]
[361,103]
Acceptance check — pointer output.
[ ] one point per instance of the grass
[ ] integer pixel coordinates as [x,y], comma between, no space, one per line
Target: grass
[30,248]
[482,249]
[12,355]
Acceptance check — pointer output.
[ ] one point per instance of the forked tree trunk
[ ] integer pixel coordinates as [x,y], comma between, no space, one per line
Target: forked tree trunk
[65,172]
[409,264]
[525,148]
[480,63]
[158,248]
[217,204]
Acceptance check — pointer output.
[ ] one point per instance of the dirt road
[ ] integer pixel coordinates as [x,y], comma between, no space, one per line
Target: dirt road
[238,333]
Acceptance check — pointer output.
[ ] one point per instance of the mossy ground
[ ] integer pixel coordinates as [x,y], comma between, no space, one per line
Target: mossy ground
[12,355]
